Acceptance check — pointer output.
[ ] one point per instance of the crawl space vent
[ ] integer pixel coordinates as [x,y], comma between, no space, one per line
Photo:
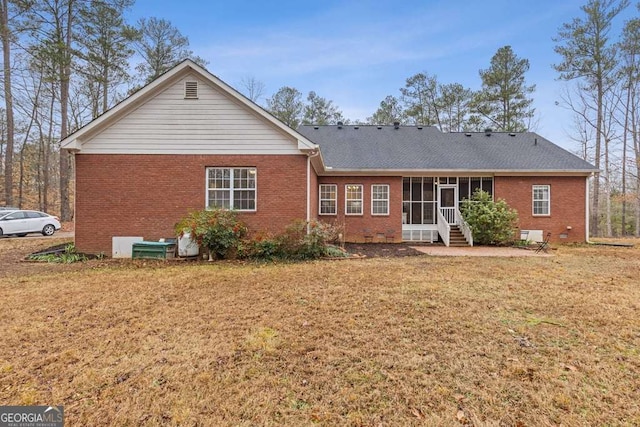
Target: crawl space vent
[190,90]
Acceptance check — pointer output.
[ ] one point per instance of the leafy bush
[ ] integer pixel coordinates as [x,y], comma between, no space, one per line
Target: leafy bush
[492,223]
[300,241]
[261,247]
[218,230]
[69,256]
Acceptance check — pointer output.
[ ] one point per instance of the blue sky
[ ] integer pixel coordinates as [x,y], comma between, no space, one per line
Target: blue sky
[356,53]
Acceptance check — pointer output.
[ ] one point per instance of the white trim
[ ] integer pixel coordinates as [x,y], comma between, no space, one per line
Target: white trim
[308,192]
[533,200]
[329,171]
[381,200]
[231,188]
[354,200]
[335,200]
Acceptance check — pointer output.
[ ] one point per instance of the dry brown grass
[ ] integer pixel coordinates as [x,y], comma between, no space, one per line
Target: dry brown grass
[406,341]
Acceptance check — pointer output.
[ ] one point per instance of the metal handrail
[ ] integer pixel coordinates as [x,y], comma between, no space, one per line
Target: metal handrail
[444,229]
[464,227]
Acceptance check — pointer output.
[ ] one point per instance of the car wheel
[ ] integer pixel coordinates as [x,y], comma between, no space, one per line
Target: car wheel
[48,230]
[21,234]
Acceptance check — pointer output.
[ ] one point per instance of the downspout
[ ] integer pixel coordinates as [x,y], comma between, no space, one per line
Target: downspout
[586,208]
[311,154]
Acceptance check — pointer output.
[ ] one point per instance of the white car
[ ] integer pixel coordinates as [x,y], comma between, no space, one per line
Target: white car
[21,223]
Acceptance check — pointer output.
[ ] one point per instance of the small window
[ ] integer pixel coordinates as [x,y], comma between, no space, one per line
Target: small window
[541,200]
[328,199]
[190,90]
[353,199]
[380,199]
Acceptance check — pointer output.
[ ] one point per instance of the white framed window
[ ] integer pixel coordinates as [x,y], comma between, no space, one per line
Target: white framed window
[328,199]
[380,199]
[353,199]
[231,188]
[541,200]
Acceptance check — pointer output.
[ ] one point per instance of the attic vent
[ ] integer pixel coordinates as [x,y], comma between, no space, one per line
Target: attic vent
[467,134]
[379,127]
[356,127]
[512,134]
[396,125]
[488,131]
[190,90]
[340,125]
[315,127]
[419,127]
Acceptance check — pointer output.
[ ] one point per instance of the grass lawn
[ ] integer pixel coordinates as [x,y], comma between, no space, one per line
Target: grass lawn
[386,341]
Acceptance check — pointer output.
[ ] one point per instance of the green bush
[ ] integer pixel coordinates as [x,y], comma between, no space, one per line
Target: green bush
[300,241]
[492,223]
[218,230]
[69,256]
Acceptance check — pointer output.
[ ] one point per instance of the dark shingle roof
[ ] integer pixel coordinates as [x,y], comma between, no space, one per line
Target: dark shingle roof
[415,148]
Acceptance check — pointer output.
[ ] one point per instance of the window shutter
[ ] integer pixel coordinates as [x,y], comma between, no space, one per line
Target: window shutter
[190,90]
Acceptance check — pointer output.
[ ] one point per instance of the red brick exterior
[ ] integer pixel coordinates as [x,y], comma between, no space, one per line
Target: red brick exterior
[145,195]
[354,225]
[567,204]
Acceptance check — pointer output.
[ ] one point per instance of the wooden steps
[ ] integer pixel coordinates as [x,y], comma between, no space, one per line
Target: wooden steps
[456,238]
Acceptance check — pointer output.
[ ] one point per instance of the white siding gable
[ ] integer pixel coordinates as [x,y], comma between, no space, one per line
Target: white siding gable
[214,123]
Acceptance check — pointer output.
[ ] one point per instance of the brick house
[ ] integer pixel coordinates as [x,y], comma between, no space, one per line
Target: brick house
[188,141]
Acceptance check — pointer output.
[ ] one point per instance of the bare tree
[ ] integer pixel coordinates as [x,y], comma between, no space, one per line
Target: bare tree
[252,88]
[588,54]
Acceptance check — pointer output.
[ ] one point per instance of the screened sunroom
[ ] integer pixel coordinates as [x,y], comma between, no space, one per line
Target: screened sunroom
[430,205]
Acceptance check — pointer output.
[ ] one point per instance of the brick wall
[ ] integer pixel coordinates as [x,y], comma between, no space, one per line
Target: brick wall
[567,204]
[145,195]
[355,224]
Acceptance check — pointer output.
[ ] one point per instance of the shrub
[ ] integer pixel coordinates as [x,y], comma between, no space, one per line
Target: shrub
[492,223]
[69,256]
[300,241]
[218,230]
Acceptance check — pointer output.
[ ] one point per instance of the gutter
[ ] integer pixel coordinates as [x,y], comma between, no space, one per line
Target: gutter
[310,154]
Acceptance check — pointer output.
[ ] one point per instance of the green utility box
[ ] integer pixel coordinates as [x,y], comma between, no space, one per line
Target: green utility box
[156,250]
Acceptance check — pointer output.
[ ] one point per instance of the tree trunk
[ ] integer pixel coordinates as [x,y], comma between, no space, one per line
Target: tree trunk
[625,133]
[8,99]
[595,214]
[65,72]
[21,179]
[607,190]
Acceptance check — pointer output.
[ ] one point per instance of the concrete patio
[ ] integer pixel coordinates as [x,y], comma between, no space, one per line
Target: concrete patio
[486,251]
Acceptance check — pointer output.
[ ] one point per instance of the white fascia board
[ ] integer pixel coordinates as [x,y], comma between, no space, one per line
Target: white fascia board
[72,146]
